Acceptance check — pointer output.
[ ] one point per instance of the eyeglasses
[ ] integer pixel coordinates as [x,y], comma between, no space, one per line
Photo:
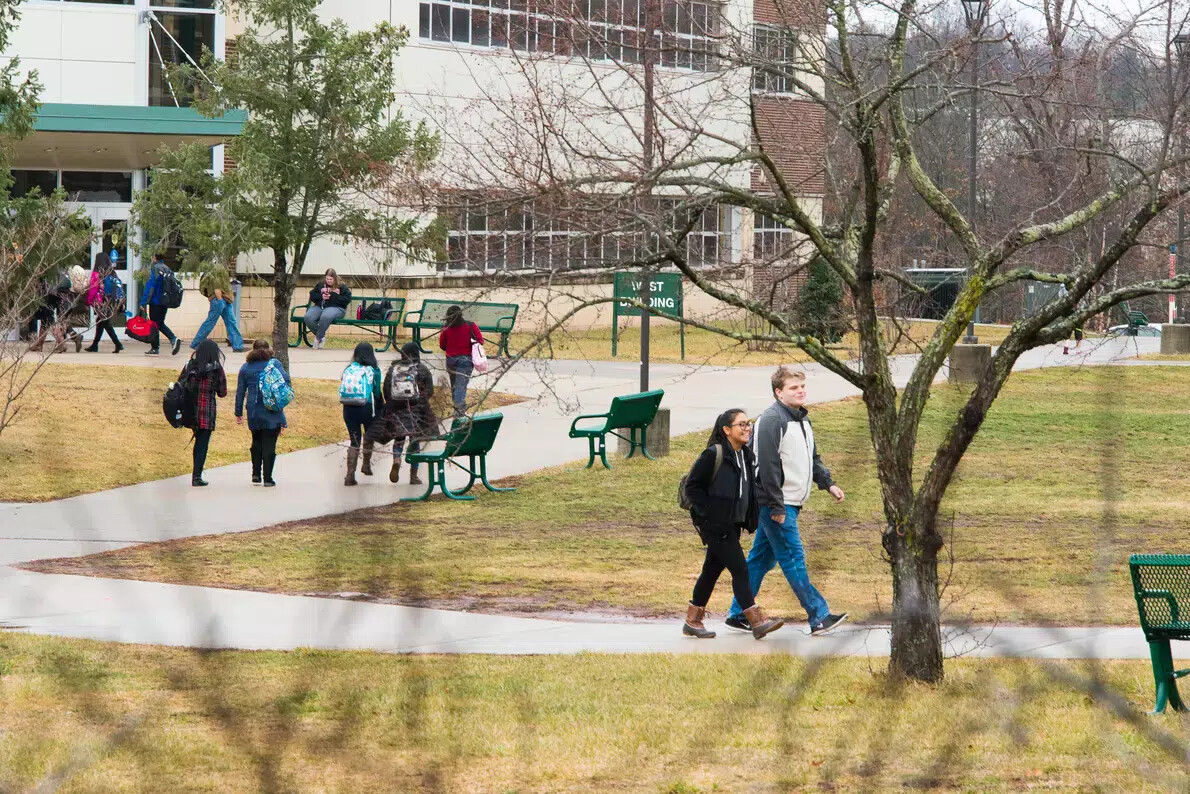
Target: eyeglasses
[742,424]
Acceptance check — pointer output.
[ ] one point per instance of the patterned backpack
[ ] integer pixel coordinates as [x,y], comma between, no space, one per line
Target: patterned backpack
[275,393]
[357,384]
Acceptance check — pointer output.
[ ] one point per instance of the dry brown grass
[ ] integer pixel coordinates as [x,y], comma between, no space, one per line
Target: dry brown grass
[88,428]
[684,724]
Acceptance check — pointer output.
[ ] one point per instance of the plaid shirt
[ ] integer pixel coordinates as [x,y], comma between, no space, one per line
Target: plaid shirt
[210,385]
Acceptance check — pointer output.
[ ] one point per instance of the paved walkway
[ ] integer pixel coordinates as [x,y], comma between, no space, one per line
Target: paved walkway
[310,485]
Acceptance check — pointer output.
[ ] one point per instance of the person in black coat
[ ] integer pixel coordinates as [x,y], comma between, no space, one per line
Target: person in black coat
[407,412]
[328,302]
[721,489]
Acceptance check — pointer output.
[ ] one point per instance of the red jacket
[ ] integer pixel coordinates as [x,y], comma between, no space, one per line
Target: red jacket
[457,341]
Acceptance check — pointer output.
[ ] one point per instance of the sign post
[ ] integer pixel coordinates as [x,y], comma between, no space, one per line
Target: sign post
[665,294]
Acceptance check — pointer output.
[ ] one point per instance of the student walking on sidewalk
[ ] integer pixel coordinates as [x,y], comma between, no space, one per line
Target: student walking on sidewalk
[154,297]
[721,489]
[265,424]
[360,393]
[215,285]
[787,465]
[102,299]
[407,413]
[455,340]
[205,376]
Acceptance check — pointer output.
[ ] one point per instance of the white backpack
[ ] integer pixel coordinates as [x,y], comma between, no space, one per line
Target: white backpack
[402,383]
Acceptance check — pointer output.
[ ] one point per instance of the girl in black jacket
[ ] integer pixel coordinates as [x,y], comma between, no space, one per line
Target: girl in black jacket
[722,493]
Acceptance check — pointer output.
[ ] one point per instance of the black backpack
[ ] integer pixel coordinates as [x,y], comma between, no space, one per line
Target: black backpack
[376,311]
[683,497]
[171,288]
[180,403]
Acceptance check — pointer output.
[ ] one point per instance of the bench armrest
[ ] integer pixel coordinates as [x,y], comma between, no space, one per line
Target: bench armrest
[501,328]
[1165,596]
[578,419]
[409,315]
[388,315]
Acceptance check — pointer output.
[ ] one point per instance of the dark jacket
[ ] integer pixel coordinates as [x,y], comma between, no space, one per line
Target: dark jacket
[787,461]
[714,503]
[248,395]
[152,295]
[339,300]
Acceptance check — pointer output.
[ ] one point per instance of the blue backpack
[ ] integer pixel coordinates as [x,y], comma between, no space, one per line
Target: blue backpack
[275,393]
[357,384]
[113,289]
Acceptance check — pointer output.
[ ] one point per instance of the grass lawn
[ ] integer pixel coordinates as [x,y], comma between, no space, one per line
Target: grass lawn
[109,717]
[85,428]
[1074,470]
[702,347]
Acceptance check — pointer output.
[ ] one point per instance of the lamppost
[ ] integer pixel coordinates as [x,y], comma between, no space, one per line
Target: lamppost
[976,12]
[1181,43]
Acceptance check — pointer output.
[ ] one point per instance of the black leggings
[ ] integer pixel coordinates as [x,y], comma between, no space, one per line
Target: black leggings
[357,418]
[105,325]
[723,551]
[202,441]
[264,451]
[157,315]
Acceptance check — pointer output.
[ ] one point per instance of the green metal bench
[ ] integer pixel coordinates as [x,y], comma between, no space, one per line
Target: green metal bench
[1136,320]
[385,328]
[632,412]
[492,318]
[1161,584]
[469,437]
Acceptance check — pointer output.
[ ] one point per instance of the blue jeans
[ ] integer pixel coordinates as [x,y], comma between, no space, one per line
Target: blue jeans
[782,545]
[319,319]
[219,308]
[459,368]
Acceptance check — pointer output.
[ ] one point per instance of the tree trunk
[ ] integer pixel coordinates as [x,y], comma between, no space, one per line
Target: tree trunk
[916,633]
[283,285]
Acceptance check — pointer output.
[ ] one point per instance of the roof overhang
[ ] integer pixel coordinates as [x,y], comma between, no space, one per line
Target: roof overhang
[116,137]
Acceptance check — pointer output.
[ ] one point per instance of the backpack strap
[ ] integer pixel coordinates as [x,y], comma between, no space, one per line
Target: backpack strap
[718,461]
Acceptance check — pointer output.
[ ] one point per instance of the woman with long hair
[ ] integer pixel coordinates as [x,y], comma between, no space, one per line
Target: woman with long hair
[264,424]
[362,398]
[328,302]
[721,488]
[205,377]
[100,301]
[407,414]
[455,340]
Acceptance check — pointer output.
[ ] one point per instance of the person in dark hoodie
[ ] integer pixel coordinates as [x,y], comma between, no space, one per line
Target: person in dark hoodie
[265,425]
[328,302]
[206,378]
[407,414]
[721,489]
[787,468]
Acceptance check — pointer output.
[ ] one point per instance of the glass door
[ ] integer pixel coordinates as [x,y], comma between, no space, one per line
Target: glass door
[111,227]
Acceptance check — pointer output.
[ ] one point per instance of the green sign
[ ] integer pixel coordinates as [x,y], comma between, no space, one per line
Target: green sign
[665,296]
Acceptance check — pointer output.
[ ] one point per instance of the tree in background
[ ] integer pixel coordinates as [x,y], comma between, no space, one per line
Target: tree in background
[820,311]
[321,134]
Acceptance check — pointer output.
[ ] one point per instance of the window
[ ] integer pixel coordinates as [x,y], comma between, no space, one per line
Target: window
[105,2]
[776,57]
[686,35]
[173,35]
[771,238]
[485,237]
[114,187]
[23,182]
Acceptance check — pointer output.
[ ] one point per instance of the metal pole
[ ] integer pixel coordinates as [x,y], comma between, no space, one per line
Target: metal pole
[646,282]
[1178,249]
[971,164]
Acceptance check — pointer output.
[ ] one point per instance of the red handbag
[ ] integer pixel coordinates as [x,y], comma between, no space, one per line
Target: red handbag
[141,329]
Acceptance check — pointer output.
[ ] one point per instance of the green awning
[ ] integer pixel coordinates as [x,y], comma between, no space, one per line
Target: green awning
[136,120]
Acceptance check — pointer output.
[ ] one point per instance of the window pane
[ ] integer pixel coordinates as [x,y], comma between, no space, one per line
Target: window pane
[98,185]
[193,32]
[204,4]
[423,22]
[24,181]
[461,28]
[440,23]
[108,2]
[479,29]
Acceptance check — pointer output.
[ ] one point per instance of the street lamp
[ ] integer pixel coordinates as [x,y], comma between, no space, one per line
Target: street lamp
[976,12]
[1181,43]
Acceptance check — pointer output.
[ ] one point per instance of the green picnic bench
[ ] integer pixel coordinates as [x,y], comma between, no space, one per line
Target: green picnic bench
[385,328]
[1161,584]
[469,437]
[1136,320]
[492,318]
[632,412]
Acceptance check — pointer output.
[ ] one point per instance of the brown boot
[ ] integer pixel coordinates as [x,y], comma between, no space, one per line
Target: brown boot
[413,478]
[693,626]
[352,459]
[366,468]
[394,474]
[760,624]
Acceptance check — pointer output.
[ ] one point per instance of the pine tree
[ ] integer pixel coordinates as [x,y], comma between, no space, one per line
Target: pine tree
[820,303]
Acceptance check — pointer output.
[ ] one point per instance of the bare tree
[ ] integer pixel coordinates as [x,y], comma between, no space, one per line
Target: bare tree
[656,122]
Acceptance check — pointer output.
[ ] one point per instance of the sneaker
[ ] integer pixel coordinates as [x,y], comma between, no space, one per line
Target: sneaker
[198,482]
[152,352]
[739,622]
[828,625]
[256,479]
[176,345]
[270,484]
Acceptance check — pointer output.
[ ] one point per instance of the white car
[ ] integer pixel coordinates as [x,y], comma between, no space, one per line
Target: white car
[1142,330]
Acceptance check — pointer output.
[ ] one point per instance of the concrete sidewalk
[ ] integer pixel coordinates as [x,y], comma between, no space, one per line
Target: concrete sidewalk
[310,486]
